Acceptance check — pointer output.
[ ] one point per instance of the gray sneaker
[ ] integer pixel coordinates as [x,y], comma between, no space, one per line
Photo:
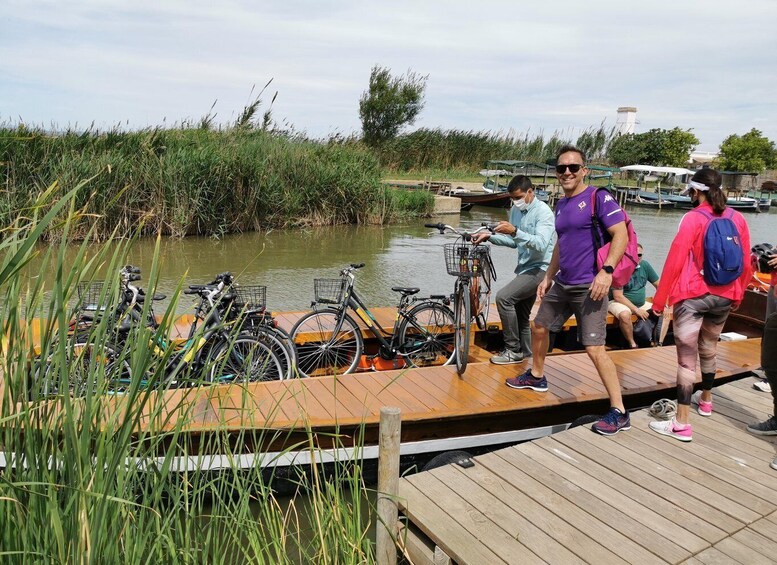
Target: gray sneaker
[507,357]
[765,428]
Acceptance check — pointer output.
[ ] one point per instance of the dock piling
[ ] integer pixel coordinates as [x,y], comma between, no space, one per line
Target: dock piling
[388,485]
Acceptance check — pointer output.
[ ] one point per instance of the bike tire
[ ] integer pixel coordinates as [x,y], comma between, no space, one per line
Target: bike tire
[280,344]
[320,350]
[426,335]
[462,315]
[244,359]
[87,364]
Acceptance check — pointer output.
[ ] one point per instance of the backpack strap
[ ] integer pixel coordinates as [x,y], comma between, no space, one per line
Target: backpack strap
[596,225]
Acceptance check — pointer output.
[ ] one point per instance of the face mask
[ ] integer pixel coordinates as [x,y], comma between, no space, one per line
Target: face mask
[520,205]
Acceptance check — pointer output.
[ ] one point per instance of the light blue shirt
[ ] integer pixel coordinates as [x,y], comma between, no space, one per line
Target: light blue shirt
[535,237]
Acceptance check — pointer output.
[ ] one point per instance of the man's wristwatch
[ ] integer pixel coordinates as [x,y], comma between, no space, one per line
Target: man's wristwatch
[608,269]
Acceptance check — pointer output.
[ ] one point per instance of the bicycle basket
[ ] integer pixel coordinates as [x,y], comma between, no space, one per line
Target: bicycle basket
[90,295]
[329,291]
[465,259]
[250,297]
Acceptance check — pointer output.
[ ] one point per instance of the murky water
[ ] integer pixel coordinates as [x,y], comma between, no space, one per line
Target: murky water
[400,255]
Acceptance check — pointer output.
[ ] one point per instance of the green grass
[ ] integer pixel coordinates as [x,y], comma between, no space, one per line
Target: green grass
[74,491]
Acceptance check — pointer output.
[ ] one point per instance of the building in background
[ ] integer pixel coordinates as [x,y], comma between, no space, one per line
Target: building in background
[627,120]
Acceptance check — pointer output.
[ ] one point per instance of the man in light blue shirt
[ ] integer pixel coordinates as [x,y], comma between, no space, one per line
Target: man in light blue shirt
[531,230]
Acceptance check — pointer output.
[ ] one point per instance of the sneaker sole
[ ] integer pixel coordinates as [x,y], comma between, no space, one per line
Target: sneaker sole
[507,362]
[705,414]
[760,433]
[603,433]
[534,388]
[675,436]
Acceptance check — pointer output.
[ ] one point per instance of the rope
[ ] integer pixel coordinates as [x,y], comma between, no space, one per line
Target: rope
[663,409]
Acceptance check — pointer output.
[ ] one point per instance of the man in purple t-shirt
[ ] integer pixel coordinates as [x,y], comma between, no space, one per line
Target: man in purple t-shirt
[574,283]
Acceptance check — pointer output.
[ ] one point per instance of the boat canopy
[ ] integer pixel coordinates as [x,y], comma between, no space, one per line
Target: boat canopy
[494,172]
[510,164]
[659,170]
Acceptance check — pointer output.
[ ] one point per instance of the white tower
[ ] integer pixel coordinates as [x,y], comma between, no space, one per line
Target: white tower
[627,120]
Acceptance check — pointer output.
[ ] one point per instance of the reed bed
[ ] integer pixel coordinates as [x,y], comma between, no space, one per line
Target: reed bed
[454,151]
[195,180]
[83,483]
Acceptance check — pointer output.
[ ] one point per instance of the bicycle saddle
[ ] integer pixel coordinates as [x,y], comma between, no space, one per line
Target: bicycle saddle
[407,291]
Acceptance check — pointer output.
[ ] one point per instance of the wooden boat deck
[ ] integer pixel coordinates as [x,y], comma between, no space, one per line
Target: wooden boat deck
[435,401]
[637,497]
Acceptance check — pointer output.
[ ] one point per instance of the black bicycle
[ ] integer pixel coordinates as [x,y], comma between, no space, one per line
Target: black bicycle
[330,342]
[474,271]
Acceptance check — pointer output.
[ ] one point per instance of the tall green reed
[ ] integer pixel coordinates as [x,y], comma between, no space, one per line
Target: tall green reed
[95,478]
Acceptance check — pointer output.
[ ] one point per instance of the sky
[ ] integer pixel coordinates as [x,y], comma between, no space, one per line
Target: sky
[530,67]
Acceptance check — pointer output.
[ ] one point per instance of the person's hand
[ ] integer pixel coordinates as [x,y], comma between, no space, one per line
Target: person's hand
[506,228]
[773,261]
[735,306]
[601,285]
[480,238]
[543,288]
[641,313]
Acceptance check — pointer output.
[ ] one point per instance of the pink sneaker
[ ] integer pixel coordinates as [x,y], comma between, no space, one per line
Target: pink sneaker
[672,428]
[703,408]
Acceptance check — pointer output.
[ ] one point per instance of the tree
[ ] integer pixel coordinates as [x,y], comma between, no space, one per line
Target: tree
[660,147]
[390,103]
[749,153]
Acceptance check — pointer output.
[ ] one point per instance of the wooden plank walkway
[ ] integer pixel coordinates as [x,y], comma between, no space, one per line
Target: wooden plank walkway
[637,497]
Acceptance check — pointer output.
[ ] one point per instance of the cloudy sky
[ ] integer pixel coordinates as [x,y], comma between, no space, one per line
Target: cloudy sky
[532,66]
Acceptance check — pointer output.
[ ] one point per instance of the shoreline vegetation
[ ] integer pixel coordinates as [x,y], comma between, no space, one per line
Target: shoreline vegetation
[85,480]
[196,180]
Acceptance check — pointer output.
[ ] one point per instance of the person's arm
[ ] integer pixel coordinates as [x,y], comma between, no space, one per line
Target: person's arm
[747,267]
[619,296]
[679,252]
[503,236]
[549,274]
[603,281]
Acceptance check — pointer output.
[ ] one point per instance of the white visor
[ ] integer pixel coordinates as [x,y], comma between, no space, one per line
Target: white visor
[693,184]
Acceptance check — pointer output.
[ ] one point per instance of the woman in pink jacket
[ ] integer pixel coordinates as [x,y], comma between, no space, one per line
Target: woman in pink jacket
[699,308]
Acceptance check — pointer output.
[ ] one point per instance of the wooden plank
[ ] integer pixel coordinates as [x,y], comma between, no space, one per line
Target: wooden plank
[714,556]
[617,492]
[468,526]
[515,511]
[567,509]
[709,522]
[624,523]
[741,553]
[757,541]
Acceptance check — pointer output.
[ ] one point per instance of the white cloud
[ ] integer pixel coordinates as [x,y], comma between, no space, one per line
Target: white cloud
[495,65]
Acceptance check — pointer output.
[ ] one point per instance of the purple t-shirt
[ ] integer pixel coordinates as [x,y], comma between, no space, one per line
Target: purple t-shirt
[575,238]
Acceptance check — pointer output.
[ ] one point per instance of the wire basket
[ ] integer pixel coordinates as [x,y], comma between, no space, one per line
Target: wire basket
[466,259]
[91,297]
[250,297]
[329,291]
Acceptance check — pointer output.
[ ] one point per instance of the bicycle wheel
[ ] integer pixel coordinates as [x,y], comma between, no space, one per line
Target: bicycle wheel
[462,324]
[426,336]
[86,366]
[480,293]
[280,344]
[243,359]
[327,344]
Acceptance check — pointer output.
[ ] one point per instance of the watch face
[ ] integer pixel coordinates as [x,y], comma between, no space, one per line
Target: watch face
[608,269]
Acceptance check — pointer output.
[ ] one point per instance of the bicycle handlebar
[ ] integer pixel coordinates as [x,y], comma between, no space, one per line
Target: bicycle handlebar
[442,228]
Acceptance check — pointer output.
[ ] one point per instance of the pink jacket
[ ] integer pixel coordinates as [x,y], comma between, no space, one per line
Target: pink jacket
[681,276]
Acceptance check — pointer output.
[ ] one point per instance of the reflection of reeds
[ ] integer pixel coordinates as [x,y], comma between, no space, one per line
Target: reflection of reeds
[194,180]
[448,150]
[87,479]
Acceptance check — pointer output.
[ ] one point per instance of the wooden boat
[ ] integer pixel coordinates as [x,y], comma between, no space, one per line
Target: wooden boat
[281,426]
[656,204]
[490,199]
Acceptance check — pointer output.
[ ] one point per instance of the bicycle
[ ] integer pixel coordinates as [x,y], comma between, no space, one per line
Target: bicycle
[212,349]
[474,271]
[329,341]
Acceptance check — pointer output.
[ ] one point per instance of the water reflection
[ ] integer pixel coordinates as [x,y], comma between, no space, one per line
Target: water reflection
[287,261]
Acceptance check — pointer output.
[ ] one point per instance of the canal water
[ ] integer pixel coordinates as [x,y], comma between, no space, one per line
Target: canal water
[287,261]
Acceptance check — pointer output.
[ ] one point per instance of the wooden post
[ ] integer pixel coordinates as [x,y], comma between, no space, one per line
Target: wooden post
[388,485]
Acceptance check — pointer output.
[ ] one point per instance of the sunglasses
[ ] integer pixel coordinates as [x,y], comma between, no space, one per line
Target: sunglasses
[573,168]
[639,254]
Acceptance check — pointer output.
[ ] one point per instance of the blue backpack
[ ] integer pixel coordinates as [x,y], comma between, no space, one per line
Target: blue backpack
[723,255]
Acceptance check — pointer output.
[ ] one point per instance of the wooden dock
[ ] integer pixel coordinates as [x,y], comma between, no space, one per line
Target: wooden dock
[636,497]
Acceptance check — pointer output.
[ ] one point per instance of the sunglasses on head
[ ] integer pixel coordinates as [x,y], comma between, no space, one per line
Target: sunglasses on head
[573,168]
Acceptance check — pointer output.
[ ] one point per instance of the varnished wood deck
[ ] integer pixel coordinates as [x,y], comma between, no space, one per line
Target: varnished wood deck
[637,497]
[435,402]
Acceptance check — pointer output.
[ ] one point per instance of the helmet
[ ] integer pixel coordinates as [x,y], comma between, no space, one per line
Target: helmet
[761,254]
